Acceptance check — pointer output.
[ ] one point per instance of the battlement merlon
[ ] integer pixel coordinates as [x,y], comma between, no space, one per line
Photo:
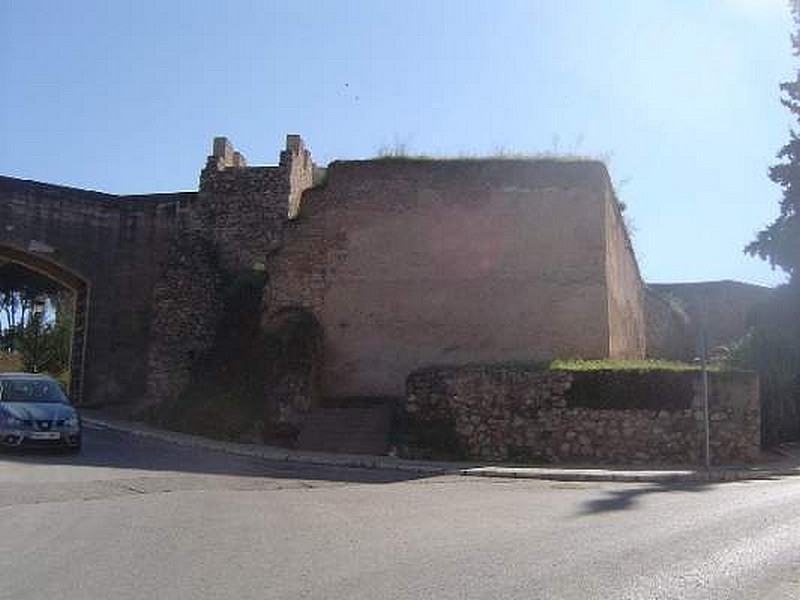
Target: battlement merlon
[226,170]
[224,155]
[296,160]
[295,150]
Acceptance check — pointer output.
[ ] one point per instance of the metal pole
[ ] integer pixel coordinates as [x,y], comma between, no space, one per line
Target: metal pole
[704,360]
[706,416]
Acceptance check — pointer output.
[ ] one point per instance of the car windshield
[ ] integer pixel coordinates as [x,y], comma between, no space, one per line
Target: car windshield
[29,389]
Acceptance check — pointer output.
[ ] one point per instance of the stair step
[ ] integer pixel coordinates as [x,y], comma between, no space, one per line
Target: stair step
[362,430]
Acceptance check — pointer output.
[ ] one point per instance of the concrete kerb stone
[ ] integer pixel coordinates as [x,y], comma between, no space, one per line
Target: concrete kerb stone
[279,454]
[652,476]
[443,468]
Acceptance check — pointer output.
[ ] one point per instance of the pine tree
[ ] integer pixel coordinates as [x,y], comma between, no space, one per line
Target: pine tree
[773,345]
[780,241]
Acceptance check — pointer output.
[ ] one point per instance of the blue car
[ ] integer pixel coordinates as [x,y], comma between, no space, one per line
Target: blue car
[35,412]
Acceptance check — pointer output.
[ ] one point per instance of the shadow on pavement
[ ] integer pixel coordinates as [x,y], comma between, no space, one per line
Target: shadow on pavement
[109,449]
[628,498]
[784,460]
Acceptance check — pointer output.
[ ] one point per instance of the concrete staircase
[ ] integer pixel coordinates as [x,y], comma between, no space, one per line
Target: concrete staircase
[348,430]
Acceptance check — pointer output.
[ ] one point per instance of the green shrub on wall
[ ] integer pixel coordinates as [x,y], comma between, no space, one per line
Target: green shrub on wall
[625,389]
[621,365]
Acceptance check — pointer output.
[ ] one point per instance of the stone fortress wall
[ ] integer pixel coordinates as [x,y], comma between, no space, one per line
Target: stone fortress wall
[626,301]
[153,262]
[237,220]
[404,263]
[408,263]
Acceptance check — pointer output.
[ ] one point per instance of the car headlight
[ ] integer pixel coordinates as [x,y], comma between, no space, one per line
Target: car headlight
[71,422]
[10,421]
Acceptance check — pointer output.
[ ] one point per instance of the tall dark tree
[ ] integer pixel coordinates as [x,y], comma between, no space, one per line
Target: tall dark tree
[780,241]
[772,347]
[35,319]
[20,290]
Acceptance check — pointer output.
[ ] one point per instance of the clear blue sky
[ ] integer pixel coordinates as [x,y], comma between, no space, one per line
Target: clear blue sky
[681,97]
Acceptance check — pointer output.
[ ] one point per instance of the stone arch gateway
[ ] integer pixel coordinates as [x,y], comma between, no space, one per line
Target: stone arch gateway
[143,267]
[80,289]
[106,248]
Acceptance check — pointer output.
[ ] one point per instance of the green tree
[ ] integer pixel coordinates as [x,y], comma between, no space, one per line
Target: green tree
[61,331]
[773,345]
[20,290]
[779,242]
[45,346]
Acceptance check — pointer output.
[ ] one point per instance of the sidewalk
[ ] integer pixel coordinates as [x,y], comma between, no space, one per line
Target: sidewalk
[788,465]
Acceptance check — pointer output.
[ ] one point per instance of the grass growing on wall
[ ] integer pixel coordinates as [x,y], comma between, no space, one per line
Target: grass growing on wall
[401,151]
[579,364]
[627,365]
[518,156]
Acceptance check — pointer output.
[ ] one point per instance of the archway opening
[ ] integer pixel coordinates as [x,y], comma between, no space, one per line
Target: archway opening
[43,317]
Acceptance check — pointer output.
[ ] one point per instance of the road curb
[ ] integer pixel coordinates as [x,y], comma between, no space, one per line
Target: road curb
[713,476]
[365,461]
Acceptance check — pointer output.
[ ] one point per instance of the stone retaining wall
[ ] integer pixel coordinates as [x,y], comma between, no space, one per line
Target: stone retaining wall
[524,413]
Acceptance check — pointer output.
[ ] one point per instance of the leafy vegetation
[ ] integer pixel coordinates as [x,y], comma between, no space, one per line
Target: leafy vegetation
[510,156]
[400,151]
[36,321]
[773,345]
[625,365]
[579,364]
[625,389]
[779,242]
[22,292]
[45,347]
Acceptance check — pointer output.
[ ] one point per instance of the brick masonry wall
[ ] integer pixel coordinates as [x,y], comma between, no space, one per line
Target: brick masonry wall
[522,413]
[626,322]
[408,263]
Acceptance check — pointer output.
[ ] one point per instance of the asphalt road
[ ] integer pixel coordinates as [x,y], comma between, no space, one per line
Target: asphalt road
[133,518]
